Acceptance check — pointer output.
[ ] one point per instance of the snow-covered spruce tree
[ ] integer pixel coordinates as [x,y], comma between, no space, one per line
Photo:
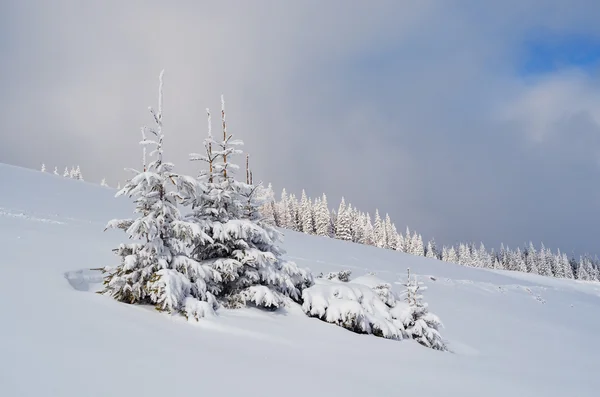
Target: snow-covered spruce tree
[390,233]
[78,174]
[343,229]
[268,208]
[369,233]
[419,323]
[66,174]
[323,218]
[156,269]
[43,167]
[431,249]
[56,171]
[230,236]
[379,230]
[305,214]
[103,183]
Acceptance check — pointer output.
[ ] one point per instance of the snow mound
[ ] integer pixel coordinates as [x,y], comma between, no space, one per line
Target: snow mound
[353,306]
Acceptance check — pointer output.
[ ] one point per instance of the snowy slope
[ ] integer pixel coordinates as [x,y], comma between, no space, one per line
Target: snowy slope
[512,334]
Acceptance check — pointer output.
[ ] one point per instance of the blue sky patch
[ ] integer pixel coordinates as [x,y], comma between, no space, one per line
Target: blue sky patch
[554,53]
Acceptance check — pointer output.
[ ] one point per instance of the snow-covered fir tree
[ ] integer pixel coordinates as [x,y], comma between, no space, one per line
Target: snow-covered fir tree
[390,233]
[103,183]
[306,218]
[343,229]
[431,249]
[294,210]
[268,210]
[283,213]
[379,230]
[43,167]
[369,233]
[66,174]
[323,218]
[56,171]
[417,245]
[78,174]
[419,323]
[156,269]
[231,238]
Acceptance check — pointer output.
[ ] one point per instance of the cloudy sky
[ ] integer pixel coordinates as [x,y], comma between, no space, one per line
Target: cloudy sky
[466,120]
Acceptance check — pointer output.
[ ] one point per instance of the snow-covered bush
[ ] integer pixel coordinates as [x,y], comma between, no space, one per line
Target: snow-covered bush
[418,323]
[343,275]
[352,306]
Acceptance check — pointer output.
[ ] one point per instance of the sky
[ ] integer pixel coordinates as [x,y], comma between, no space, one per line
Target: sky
[464,120]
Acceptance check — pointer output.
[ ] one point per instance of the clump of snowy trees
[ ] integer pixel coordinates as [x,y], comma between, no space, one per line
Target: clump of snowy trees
[367,305]
[349,224]
[73,173]
[221,252]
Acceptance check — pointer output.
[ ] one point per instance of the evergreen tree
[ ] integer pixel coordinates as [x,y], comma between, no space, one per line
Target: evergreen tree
[156,270]
[323,218]
[519,262]
[293,208]
[400,243]
[419,324]
[531,261]
[56,171]
[417,245]
[431,249]
[306,218]
[407,247]
[103,183]
[369,233]
[283,211]
[566,265]
[390,237]
[233,240]
[343,226]
[485,259]
[66,174]
[358,226]
[78,175]
[379,230]
[452,256]
[268,208]
[43,167]
[544,262]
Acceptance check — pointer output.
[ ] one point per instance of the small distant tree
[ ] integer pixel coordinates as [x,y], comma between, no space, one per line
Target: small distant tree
[43,167]
[419,323]
[103,183]
[431,249]
[56,171]
[323,218]
[66,174]
[306,218]
[343,229]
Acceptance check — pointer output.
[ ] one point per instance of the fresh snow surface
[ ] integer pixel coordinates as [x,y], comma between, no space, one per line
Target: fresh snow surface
[511,334]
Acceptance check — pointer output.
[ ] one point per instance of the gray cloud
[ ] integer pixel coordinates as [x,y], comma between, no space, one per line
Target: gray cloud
[415,108]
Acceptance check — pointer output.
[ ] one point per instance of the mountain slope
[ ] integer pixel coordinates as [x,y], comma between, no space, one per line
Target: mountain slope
[512,334]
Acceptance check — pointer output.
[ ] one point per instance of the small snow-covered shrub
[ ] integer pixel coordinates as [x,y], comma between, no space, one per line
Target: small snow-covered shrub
[353,306]
[418,322]
[343,276]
